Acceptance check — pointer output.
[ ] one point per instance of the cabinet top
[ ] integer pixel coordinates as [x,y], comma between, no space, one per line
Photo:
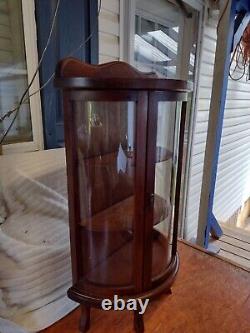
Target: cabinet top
[71,73]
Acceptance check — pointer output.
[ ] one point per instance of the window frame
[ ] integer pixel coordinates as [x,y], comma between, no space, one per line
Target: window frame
[128,10]
[30,39]
[157,21]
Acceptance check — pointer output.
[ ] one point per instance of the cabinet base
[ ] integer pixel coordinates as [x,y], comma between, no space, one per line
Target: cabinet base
[84,324]
[138,322]
[87,301]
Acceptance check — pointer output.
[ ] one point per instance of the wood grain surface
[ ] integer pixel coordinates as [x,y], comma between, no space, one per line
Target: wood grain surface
[209,295]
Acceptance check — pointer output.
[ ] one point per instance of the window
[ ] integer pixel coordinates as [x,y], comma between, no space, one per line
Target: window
[74,24]
[154,48]
[164,40]
[18,61]
[165,44]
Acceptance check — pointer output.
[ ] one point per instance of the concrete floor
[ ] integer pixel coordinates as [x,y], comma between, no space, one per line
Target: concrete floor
[209,295]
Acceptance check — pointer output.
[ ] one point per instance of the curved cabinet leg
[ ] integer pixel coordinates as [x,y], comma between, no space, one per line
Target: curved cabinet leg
[85,318]
[138,322]
[169,291]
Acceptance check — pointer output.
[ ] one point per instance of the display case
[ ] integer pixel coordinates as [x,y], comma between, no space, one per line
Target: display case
[123,135]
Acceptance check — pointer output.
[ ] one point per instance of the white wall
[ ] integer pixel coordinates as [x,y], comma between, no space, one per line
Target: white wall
[200,127]
[109,31]
[233,178]
[5,35]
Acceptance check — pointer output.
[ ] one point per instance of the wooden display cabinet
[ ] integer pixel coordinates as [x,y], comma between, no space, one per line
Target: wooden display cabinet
[124,138]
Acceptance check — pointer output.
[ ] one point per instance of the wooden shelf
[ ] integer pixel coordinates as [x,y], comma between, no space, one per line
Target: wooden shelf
[162,154]
[120,216]
[112,191]
[113,266]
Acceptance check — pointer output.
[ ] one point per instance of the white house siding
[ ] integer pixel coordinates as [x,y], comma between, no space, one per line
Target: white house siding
[200,127]
[234,160]
[5,35]
[109,31]
[233,178]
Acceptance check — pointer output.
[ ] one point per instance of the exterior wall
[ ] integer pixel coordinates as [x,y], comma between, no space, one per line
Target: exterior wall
[200,126]
[5,35]
[109,31]
[233,178]
[12,54]
[232,186]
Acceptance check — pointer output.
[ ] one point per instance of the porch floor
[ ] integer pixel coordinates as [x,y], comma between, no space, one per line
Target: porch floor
[235,245]
[209,295]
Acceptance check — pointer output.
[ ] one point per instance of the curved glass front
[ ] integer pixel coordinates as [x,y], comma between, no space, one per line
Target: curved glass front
[168,122]
[106,144]
[106,157]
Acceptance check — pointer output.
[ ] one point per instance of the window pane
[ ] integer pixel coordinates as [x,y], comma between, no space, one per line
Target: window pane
[150,55]
[165,178]
[156,47]
[13,72]
[159,40]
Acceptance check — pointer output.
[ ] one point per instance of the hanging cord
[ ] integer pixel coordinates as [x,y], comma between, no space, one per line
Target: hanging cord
[222,14]
[241,63]
[16,110]
[238,54]
[91,33]
[241,57]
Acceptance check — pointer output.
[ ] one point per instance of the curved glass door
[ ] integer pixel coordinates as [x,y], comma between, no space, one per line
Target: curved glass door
[106,142]
[164,140]
[165,182]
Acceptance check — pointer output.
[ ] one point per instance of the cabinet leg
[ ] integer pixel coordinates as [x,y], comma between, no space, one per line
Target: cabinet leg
[169,291]
[85,318]
[138,322]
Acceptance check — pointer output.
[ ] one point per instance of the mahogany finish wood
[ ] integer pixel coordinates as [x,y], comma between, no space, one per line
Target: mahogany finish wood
[138,322]
[193,307]
[116,75]
[178,177]
[119,242]
[85,318]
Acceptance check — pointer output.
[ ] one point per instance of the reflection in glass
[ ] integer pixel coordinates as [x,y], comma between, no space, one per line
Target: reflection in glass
[165,175]
[166,46]
[106,154]
[156,47]
[106,159]
[13,72]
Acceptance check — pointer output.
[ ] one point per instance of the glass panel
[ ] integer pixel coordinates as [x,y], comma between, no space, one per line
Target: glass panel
[159,40]
[150,53]
[106,159]
[184,169]
[13,72]
[174,37]
[165,174]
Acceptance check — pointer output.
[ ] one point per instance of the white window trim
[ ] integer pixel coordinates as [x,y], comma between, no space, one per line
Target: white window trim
[202,9]
[147,15]
[142,13]
[128,10]
[30,40]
